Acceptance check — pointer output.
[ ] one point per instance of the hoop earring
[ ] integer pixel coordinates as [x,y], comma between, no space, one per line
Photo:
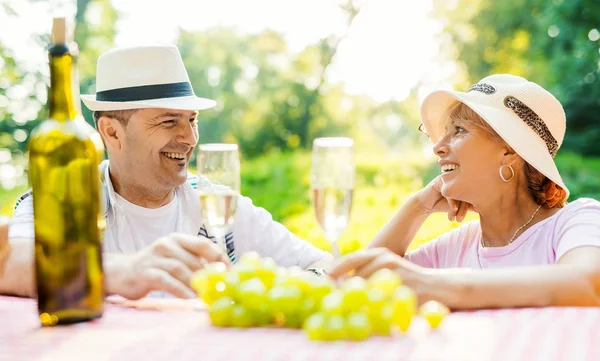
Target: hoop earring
[512,172]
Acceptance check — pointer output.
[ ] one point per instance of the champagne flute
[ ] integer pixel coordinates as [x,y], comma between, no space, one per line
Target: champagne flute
[332,182]
[218,189]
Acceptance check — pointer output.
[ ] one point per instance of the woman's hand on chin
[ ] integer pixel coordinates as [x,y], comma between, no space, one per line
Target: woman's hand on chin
[431,200]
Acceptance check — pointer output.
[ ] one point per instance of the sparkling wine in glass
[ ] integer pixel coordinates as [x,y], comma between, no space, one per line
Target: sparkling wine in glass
[218,188]
[332,182]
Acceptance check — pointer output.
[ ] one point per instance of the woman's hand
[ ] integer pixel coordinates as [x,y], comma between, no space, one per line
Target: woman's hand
[368,261]
[431,200]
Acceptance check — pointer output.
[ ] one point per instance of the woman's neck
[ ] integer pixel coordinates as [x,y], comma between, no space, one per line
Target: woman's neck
[506,219]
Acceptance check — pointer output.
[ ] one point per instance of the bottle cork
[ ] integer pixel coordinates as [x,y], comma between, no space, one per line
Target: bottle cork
[59,31]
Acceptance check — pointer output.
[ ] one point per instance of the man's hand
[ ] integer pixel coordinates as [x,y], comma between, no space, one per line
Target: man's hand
[166,265]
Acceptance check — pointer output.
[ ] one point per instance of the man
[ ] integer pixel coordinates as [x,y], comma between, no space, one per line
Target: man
[145,110]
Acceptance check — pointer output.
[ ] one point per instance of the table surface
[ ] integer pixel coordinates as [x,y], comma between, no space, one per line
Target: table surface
[180,330]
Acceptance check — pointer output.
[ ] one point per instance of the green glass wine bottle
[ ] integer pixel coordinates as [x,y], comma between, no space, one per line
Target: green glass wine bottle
[64,153]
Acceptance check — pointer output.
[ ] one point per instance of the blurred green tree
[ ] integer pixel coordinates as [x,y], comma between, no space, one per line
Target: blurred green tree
[95,33]
[23,90]
[554,43]
[270,98]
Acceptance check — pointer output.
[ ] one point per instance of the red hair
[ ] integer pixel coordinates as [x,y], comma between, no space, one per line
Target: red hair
[544,191]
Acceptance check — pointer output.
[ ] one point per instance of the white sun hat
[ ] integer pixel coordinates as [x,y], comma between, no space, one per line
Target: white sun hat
[529,119]
[143,77]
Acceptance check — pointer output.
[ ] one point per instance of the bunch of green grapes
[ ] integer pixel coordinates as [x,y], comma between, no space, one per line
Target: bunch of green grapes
[255,292]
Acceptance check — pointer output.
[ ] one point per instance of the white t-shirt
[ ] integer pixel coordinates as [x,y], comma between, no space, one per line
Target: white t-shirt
[130,228]
[575,225]
[143,224]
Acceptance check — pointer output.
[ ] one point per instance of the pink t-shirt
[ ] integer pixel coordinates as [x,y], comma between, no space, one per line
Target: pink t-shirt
[575,225]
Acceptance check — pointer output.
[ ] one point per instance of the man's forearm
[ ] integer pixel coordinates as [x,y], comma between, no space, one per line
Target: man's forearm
[18,278]
[551,285]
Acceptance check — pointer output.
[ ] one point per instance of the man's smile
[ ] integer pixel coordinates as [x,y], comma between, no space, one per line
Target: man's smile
[173,155]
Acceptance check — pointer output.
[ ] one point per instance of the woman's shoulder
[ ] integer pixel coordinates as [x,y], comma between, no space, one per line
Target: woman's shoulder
[579,207]
[580,215]
[583,202]
[576,225]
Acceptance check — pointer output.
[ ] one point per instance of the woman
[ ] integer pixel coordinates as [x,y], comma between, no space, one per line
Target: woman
[496,145]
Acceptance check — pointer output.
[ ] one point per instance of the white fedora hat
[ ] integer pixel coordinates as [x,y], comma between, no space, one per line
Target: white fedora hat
[529,119]
[143,77]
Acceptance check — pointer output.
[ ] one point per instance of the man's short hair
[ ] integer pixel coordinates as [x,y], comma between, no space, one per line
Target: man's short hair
[121,115]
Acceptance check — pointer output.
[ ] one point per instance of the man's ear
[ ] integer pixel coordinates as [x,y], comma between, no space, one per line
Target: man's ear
[112,132]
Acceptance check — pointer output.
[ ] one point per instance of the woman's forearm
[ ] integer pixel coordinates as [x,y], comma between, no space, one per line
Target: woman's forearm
[552,285]
[18,278]
[400,231]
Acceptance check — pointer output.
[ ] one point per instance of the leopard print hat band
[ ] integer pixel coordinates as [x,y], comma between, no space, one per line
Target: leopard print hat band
[534,122]
[526,114]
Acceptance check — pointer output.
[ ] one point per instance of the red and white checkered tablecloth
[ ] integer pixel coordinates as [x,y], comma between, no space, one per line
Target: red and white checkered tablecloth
[184,333]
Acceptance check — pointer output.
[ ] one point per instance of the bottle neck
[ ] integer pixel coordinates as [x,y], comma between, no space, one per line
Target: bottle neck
[62,92]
